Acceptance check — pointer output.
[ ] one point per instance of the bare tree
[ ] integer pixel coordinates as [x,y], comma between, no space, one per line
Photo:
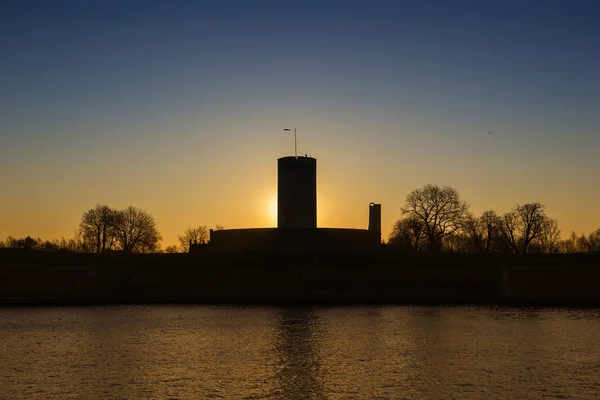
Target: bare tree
[569,245]
[548,240]
[522,225]
[193,236]
[409,234]
[533,221]
[98,227]
[11,242]
[22,243]
[136,231]
[441,211]
[29,243]
[583,243]
[484,232]
[459,242]
[172,249]
[77,244]
[509,226]
[61,243]
[219,227]
[474,231]
[47,245]
[490,224]
[594,241]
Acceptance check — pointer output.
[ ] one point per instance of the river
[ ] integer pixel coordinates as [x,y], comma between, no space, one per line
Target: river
[235,352]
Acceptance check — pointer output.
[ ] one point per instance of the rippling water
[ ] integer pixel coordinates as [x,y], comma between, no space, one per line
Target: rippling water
[203,352]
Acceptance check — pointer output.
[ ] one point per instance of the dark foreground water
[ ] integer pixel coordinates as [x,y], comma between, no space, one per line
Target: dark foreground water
[204,352]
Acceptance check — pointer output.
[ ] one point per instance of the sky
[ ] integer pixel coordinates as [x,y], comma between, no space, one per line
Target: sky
[178,107]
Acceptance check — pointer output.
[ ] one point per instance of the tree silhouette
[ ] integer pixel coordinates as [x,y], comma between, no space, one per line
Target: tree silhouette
[22,243]
[474,231]
[594,241]
[47,245]
[98,227]
[172,249]
[441,211]
[10,242]
[483,232]
[199,234]
[548,240]
[522,225]
[459,242]
[29,243]
[489,222]
[136,231]
[61,243]
[77,244]
[409,234]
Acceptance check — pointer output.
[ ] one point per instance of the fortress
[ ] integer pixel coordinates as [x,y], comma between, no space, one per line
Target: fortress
[297,229]
[298,263]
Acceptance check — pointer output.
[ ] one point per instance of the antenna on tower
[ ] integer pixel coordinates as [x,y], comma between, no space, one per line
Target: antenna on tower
[295,142]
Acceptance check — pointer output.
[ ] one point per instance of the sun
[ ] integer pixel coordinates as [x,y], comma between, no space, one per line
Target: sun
[272,210]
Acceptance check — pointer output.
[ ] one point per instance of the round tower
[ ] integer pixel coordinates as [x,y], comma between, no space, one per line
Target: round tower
[297,192]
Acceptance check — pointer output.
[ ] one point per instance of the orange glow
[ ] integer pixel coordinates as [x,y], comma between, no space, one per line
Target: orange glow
[272,210]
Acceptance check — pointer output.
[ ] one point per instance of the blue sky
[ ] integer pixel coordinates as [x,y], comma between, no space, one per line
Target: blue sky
[178,106]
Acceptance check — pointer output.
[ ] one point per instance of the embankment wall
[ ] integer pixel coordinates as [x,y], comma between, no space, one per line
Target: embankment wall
[281,279]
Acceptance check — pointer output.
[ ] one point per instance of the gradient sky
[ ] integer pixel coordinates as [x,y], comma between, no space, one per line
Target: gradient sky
[177,107]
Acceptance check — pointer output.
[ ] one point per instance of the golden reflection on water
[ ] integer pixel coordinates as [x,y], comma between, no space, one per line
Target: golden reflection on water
[366,353]
[139,352]
[297,347]
[299,353]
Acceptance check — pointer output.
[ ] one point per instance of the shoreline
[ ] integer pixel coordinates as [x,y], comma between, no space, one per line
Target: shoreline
[282,279]
[7,303]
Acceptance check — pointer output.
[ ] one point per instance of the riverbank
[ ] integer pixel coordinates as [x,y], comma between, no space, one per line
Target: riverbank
[35,278]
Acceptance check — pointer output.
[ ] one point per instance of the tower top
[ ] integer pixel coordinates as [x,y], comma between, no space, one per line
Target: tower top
[304,157]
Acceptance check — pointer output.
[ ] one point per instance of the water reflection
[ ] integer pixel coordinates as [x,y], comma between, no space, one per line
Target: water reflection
[269,353]
[298,368]
[111,352]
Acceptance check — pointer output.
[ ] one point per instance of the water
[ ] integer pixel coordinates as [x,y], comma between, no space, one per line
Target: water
[203,352]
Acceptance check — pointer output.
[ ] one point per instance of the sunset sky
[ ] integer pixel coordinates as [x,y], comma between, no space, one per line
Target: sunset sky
[178,107]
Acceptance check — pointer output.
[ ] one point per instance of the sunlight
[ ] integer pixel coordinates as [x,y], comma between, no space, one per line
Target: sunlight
[272,210]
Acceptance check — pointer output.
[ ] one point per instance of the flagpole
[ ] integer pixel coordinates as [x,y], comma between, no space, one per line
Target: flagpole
[295,142]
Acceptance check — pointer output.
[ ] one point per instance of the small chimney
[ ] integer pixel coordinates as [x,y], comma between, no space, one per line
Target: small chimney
[375,218]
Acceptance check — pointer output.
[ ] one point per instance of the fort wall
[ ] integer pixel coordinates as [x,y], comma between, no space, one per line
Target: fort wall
[257,278]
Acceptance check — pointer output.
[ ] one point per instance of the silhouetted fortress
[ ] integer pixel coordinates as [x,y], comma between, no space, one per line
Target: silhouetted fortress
[297,219]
